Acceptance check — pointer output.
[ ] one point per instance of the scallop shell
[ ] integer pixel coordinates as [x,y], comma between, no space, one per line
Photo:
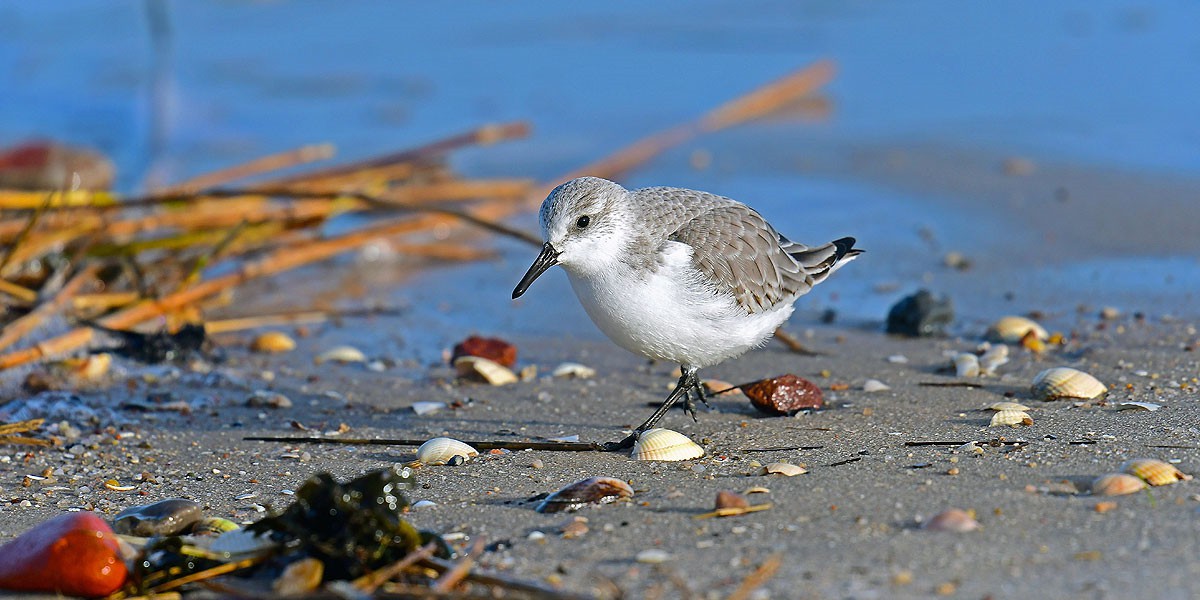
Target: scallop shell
[439,451]
[482,368]
[1007,406]
[955,520]
[966,364]
[273,342]
[1010,417]
[1011,329]
[1117,484]
[1065,382]
[1154,471]
[341,354]
[574,370]
[664,444]
[593,490]
[782,468]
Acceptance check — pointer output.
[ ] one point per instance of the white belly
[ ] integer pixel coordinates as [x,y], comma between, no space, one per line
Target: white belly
[660,318]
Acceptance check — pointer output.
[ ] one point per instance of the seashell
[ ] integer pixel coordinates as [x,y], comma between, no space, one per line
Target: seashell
[341,354]
[1010,417]
[1117,484]
[728,499]
[440,450]
[574,370]
[782,468]
[425,408]
[273,342]
[993,358]
[300,577]
[1154,471]
[664,444]
[652,556]
[954,520]
[1065,382]
[242,543]
[493,349]
[966,364]
[484,369]
[1011,329]
[593,490]
[875,385]
[1007,406]
[1147,406]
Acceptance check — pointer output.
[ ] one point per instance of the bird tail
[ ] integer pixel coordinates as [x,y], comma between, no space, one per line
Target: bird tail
[821,261]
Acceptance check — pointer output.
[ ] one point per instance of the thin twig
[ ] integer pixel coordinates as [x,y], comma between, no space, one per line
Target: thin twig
[479,444]
[760,576]
[793,343]
[17,329]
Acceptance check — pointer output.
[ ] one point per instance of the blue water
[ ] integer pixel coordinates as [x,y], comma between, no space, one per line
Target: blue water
[1103,84]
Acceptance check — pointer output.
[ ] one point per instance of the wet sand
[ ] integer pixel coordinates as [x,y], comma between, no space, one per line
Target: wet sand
[847,528]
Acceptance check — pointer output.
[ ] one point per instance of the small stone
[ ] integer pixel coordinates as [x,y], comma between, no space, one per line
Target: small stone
[268,399]
[653,556]
[874,385]
[493,349]
[166,517]
[920,315]
[784,395]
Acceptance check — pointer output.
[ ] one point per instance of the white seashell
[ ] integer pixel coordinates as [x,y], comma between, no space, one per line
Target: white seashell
[423,504]
[782,468]
[874,385]
[664,444]
[966,364]
[425,408]
[1065,382]
[1011,417]
[992,359]
[439,451]
[482,368]
[1007,406]
[954,520]
[341,354]
[575,370]
[1150,406]
[652,556]
[1012,328]
[898,359]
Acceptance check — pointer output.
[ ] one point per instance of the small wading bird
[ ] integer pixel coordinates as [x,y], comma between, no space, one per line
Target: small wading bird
[675,274]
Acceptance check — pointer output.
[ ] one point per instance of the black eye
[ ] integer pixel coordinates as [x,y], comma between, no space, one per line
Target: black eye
[583,221]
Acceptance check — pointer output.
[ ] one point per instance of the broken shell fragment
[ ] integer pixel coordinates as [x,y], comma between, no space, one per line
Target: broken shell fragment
[998,406]
[782,468]
[1011,329]
[954,520]
[966,365]
[728,499]
[441,450]
[1117,484]
[493,349]
[1065,382]
[593,490]
[483,369]
[784,395]
[574,370]
[341,354]
[875,385]
[1010,417]
[273,342]
[666,445]
[1154,471]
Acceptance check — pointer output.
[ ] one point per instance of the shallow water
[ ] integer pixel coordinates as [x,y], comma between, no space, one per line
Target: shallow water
[1078,88]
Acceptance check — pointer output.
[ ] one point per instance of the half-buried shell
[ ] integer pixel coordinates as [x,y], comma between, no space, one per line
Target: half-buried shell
[1065,382]
[1010,417]
[1117,484]
[1154,471]
[664,444]
[441,450]
[1011,329]
[490,371]
[593,490]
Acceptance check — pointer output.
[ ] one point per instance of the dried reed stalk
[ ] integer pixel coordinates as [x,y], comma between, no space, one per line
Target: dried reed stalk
[17,329]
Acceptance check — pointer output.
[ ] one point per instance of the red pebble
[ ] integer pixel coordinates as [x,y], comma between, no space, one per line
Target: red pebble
[75,554]
[493,349]
[784,395]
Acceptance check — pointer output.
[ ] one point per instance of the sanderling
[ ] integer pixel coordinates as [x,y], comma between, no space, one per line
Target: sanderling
[675,274]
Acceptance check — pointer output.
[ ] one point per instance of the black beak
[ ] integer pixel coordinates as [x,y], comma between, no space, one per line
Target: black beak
[548,258]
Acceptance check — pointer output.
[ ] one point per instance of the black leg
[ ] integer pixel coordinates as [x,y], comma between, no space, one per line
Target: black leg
[687,382]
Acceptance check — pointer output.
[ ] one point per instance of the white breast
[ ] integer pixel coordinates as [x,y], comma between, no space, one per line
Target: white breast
[670,314]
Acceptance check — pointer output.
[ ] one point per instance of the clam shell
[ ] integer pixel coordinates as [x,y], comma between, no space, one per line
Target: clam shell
[874,385]
[1010,417]
[966,364]
[439,451]
[1117,484]
[1154,471]
[1007,406]
[482,368]
[993,358]
[341,354]
[1011,329]
[593,490]
[1065,382]
[782,468]
[273,342]
[664,444]
[955,520]
[574,370]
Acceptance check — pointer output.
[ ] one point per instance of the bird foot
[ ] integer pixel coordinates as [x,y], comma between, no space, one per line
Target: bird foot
[624,444]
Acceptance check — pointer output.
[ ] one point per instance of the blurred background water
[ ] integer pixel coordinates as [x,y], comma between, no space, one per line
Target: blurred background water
[1055,145]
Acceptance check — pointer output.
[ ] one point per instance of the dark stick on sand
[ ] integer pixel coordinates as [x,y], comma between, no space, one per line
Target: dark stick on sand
[481,445]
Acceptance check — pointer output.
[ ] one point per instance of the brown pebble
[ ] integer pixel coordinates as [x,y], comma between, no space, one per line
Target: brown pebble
[784,395]
[728,499]
[1105,506]
[493,349]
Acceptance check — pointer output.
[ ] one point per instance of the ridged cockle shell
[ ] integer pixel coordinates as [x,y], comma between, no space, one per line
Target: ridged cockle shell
[664,444]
